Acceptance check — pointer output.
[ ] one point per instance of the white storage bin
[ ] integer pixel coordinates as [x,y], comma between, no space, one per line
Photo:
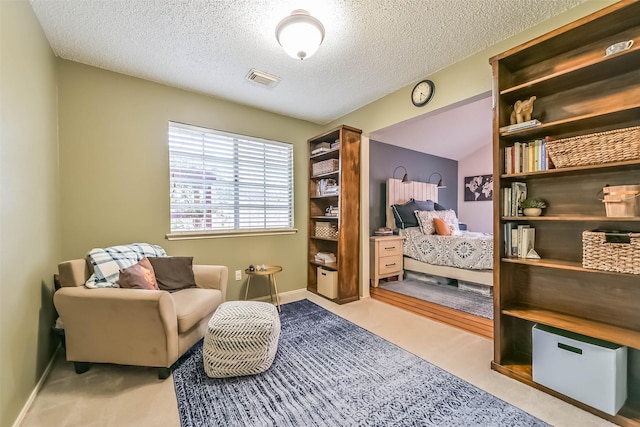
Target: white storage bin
[328,283]
[586,369]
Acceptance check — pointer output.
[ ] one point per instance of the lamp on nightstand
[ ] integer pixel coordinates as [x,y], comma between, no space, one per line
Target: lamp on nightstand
[405,178]
[440,182]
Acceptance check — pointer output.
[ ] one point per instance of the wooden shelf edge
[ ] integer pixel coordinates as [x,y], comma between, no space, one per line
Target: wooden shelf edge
[562,265]
[628,416]
[572,218]
[572,169]
[579,325]
[328,266]
[327,239]
[578,68]
[622,114]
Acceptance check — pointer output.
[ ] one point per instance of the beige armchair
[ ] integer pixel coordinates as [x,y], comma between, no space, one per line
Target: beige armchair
[134,326]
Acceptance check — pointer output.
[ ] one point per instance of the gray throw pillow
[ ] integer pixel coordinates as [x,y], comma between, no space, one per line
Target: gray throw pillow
[173,273]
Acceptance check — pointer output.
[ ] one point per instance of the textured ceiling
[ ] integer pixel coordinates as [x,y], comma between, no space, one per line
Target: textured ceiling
[371,48]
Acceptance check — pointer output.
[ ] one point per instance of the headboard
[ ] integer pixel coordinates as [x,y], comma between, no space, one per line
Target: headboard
[399,192]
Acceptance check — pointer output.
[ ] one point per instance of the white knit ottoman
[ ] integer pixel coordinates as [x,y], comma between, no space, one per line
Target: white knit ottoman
[241,339]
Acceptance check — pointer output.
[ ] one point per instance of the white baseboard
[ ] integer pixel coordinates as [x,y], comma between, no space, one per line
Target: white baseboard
[36,389]
[285,297]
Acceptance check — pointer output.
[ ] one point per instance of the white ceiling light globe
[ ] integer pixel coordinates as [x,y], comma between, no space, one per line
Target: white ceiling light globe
[300,34]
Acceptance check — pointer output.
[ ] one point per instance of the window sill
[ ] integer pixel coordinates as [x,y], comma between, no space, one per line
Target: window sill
[194,235]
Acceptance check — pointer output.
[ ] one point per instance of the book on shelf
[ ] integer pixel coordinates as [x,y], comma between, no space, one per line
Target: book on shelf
[520,126]
[519,240]
[524,157]
[518,194]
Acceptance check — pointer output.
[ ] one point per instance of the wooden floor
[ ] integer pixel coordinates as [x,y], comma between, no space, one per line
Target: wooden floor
[468,322]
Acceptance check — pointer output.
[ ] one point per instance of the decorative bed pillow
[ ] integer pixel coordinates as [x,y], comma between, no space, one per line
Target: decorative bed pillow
[173,273]
[425,218]
[108,262]
[138,276]
[404,214]
[439,207]
[442,228]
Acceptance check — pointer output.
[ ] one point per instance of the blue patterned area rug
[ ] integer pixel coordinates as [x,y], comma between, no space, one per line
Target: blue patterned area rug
[331,372]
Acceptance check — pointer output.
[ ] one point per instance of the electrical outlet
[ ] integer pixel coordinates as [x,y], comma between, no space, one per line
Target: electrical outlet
[238,274]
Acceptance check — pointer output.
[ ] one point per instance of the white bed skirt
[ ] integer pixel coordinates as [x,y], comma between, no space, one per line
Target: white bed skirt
[484,277]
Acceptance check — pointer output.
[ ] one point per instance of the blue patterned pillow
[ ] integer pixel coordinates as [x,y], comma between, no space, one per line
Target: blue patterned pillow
[107,262]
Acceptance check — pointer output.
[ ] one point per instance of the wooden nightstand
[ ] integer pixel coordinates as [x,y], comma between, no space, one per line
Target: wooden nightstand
[385,258]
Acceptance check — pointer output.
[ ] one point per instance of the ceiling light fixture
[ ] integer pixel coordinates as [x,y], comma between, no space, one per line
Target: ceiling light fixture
[300,34]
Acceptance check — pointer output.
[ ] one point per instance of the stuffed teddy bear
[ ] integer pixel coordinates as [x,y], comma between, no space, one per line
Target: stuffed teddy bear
[522,111]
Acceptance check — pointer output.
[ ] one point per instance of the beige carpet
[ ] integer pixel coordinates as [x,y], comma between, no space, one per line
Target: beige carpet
[110,396]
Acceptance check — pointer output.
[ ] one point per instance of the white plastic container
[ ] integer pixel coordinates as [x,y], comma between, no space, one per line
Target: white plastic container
[328,283]
[586,369]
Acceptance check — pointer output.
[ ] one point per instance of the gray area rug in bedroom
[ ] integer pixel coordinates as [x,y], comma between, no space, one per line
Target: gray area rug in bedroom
[447,295]
[331,372]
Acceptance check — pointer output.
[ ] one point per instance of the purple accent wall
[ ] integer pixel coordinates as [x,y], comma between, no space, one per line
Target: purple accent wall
[384,158]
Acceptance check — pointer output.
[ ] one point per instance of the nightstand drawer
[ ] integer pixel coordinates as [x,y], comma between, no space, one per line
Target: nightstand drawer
[390,264]
[389,248]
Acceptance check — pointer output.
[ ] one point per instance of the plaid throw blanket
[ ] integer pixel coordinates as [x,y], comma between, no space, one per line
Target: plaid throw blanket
[107,262]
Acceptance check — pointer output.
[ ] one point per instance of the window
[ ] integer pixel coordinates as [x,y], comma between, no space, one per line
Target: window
[222,182]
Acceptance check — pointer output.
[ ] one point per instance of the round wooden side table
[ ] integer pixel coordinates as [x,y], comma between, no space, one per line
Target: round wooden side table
[271,272]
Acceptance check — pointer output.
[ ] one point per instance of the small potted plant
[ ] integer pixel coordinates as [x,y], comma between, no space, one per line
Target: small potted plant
[533,206]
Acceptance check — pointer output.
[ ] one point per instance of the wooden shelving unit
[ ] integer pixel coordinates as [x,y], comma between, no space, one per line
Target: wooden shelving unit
[346,246]
[579,91]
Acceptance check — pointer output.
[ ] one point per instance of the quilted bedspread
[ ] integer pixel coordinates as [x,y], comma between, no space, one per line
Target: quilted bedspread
[468,250]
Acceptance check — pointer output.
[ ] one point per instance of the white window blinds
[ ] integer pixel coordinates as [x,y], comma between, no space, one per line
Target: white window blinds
[225,182]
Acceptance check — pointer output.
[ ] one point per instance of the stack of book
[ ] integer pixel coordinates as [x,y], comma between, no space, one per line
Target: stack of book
[322,147]
[511,198]
[325,257]
[383,231]
[332,211]
[519,240]
[520,126]
[528,156]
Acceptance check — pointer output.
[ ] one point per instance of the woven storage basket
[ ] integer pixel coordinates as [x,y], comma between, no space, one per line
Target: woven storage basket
[619,257]
[325,166]
[602,147]
[326,232]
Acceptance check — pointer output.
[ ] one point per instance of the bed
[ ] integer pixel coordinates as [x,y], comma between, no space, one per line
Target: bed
[466,257]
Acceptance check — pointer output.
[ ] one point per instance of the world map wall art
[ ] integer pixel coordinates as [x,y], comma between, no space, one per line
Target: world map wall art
[478,188]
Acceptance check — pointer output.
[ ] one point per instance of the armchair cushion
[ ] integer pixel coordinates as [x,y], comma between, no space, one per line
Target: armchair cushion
[108,262]
[173,273]
[194,304]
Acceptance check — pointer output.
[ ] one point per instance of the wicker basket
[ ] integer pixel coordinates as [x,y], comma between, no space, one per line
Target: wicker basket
[619,257]
[326,232]
[597,148]
[325,166]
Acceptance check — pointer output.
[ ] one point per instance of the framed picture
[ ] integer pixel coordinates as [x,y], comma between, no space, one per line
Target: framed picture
[478,188]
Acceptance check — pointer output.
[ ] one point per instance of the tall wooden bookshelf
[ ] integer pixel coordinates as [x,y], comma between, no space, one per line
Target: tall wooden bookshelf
[579,91]
[344,150]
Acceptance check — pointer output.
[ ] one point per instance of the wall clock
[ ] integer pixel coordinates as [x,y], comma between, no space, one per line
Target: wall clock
[422,93]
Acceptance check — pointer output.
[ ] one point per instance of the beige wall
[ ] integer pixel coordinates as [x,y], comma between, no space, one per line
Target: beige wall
[29,219]
[114,165]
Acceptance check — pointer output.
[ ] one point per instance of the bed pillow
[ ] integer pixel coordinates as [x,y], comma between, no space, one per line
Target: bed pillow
[439,207]
[138,276]
[404,214]
[442,228]
[425,219]
[173,273]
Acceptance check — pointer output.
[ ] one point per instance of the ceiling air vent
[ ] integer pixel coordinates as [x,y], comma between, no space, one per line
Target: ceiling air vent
[260,77]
